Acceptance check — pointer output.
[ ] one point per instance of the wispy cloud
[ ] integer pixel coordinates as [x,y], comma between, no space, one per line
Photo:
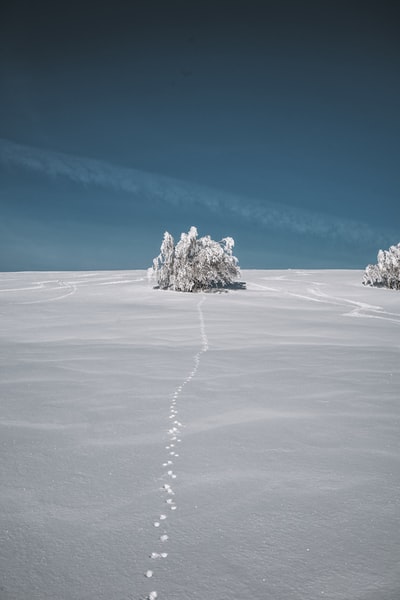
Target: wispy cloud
[179,193]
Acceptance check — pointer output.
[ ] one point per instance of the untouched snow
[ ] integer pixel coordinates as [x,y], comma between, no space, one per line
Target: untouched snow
[240,445]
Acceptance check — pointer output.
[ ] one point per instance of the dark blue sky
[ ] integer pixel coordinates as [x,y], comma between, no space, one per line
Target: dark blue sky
[277,123]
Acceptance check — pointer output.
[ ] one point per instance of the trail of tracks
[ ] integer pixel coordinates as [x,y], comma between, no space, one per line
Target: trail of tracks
[51,290]
[314,293]
[170,466]
[359,309]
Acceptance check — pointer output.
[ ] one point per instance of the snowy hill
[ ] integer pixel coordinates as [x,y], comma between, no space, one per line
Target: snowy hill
[204,446]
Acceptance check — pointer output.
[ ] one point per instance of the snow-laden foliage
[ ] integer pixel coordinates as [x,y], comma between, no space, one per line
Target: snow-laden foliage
[386,273]
[164,262]
[195,263]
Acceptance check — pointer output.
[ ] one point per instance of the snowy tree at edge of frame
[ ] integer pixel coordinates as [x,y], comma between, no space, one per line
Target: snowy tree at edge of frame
[386,273]
[196,264]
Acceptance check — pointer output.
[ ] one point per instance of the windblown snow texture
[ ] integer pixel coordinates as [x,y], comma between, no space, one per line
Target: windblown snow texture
[166,445]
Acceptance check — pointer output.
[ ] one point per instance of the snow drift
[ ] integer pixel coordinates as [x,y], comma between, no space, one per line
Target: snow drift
[203,446]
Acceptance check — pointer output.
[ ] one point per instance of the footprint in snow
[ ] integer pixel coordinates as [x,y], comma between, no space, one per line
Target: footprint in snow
[155,555]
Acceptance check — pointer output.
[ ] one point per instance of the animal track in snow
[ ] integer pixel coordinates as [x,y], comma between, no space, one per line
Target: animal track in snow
[173,437]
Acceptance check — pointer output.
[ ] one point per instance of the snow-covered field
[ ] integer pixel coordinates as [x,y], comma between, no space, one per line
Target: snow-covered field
[228,446]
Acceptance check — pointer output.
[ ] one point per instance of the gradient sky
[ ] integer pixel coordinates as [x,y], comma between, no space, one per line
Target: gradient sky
[274,122]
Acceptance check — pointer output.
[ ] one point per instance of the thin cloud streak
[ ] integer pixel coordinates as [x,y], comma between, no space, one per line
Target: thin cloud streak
[180,193]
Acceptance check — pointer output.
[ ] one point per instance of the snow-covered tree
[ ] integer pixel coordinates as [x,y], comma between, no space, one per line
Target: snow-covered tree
[164,262]
[386,273]
[182,271]
[195,263]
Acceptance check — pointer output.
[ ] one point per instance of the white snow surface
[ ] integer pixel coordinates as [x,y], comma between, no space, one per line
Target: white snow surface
[215,446]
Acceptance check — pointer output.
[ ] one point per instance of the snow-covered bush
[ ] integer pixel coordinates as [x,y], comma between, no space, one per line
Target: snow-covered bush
[386,273]
[195,263]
